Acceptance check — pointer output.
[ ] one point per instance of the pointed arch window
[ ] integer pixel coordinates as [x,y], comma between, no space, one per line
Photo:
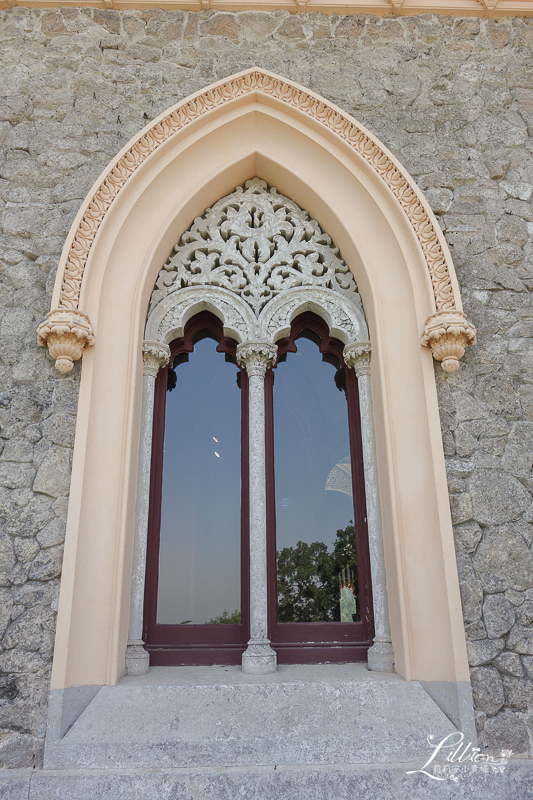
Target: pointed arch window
[258,544]
[197,598]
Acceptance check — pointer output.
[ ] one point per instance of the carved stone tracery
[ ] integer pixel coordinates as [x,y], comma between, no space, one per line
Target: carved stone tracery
[255,259]
[251,250]
[257,243]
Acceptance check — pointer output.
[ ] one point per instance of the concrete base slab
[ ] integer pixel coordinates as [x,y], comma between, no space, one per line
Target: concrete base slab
[384,782]
[219,716]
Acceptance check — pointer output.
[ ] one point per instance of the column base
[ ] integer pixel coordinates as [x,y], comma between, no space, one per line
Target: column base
[137,659]
[259,658]
[381,655]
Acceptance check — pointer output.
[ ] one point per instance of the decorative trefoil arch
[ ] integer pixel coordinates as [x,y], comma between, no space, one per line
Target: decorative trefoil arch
[68,331]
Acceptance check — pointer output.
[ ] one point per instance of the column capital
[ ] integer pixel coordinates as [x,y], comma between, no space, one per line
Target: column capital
[256,357]
[155,356]
[357,355]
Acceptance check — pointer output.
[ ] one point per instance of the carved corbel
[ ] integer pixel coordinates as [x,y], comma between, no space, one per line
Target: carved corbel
[67,333]
[447,333]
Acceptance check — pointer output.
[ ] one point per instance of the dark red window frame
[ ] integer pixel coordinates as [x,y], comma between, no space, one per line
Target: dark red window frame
[173,645]
[308,643]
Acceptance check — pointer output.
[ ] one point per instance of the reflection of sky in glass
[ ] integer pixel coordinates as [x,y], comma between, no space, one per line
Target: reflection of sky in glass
[311,444]
[199,558]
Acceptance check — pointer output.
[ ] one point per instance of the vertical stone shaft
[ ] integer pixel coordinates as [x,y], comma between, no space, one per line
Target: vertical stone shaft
[155,356]
[380,655]
[259,657]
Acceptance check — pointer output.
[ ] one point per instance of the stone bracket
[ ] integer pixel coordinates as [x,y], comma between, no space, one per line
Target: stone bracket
[447,333]
[67,332]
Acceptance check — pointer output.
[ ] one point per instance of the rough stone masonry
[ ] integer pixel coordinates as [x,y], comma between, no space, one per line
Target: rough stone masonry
[453,99]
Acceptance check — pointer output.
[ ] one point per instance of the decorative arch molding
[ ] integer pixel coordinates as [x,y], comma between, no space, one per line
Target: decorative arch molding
[67,334]
[254,134]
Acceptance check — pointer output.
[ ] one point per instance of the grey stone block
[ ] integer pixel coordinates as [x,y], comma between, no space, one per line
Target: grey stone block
[497,497]
[487,689]
[498,615]
[520,640]
[503,561]
[505,731]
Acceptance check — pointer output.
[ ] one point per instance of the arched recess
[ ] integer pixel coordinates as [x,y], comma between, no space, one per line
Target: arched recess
[256,124]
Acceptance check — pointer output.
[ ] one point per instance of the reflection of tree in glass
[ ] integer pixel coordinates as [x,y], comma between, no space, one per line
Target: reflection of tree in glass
[226,618]
[309,579]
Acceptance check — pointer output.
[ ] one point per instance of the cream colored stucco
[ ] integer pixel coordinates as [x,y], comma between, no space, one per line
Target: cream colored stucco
[463,8]
[257,135]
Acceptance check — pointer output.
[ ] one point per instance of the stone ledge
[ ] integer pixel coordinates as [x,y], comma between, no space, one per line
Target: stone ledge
[368,782]
[217,716]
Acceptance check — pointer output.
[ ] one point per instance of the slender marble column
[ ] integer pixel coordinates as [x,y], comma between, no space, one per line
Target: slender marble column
[155,356]
[259,658]
[380,655]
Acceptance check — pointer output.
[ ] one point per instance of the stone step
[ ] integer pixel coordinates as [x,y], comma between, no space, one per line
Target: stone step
[326,782]
[219,717]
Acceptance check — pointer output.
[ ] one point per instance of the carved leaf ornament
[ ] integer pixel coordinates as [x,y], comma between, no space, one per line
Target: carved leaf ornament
[257,243]
[252,81]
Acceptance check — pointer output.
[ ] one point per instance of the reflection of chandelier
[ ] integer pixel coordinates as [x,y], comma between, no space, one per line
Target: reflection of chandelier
[340,478]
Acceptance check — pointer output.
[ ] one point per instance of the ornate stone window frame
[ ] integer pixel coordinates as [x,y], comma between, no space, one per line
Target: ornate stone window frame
[173,305]
[251,124]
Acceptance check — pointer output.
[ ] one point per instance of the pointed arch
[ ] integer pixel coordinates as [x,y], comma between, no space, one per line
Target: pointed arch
[257,124]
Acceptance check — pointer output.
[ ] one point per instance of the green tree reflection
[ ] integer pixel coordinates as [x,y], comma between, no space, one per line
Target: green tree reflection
[309,579]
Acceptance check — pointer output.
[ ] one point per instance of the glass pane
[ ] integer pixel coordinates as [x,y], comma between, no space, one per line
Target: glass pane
[200,545]
[315,542]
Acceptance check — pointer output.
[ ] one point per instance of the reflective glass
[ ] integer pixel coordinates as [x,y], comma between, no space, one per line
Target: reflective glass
[200,543]
[315,542]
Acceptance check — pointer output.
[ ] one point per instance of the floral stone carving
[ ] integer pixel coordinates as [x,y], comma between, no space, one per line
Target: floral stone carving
[447,333]
[257,243]
[67,333]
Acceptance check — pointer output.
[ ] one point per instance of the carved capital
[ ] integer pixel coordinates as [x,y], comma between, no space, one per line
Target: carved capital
[155,356]
[67,333]
[256,357]
[357,355]
[447,333]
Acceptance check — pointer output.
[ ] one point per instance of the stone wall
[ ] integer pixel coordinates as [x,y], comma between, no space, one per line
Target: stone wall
[452,99]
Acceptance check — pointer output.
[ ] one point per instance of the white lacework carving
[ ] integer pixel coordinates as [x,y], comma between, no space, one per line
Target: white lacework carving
[256,243]
[168,318]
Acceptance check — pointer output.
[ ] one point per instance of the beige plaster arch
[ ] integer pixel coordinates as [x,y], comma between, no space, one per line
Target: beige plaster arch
[258,134]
